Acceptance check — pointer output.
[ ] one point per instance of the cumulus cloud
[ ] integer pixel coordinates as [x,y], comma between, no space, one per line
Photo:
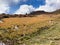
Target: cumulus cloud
[4,8]
[50,6]
[9,1]
[5,5]
[25,9]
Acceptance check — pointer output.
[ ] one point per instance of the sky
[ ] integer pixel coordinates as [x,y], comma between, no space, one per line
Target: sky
[28,6]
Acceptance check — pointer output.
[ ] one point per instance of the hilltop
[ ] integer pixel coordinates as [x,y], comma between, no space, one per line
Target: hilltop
[32,14]
[36,28]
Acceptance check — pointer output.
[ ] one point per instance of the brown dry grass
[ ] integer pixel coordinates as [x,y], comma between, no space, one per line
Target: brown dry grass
[33,25]
[28,24]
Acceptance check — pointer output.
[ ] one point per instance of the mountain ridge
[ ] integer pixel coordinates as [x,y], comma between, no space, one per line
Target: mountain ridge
[32,14]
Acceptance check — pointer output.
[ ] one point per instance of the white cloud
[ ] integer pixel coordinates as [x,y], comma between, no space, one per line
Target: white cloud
[4,8]
[5,5]
[50,6]
[25,9]
[9,1]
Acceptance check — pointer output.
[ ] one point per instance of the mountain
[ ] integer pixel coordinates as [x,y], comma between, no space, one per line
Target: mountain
[36,28]
[43,12]
[32,14]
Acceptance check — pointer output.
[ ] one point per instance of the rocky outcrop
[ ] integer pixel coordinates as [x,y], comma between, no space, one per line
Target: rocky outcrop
[1,21]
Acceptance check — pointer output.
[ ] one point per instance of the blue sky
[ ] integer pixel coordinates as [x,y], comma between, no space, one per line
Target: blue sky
[28,6]
[34,3]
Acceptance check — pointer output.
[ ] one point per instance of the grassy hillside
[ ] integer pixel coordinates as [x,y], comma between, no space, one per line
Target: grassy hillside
[39,30]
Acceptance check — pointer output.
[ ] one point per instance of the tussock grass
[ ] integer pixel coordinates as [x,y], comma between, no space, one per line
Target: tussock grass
[42,29]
